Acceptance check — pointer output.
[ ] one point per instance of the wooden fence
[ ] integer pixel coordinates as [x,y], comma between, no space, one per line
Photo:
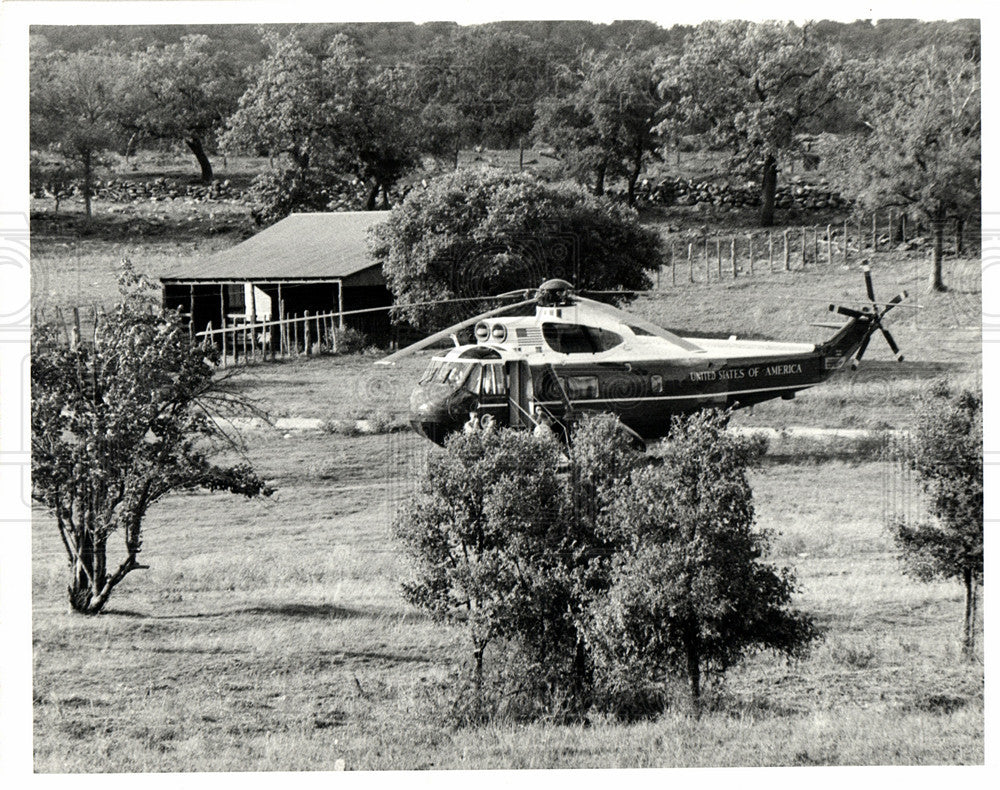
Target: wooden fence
[715,257]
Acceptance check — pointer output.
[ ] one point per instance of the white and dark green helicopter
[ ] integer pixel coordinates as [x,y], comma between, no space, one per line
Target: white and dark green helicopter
[576,355]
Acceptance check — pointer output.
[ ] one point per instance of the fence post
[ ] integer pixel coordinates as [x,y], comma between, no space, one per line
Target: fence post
[750,252]
[902,228]
[784,235]
[74,342]
[816,246]
[803,246]
[861,238]
[305,334]
[718,255]
[282,328]
[208,329]
[295,334]
[222,326]
[253,330]
[706,259]
[875,231]
[732,255]
[673,264]
[690,262]
[845,242]
[770,252]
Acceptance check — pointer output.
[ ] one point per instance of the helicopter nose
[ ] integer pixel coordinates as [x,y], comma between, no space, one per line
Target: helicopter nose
[438,410]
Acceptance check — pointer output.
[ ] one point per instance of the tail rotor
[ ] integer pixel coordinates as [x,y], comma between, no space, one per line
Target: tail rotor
[874,316]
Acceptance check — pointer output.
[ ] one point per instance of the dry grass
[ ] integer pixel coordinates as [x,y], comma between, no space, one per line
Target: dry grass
[271,635]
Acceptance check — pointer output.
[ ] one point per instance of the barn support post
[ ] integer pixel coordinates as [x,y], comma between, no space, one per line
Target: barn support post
[305,334]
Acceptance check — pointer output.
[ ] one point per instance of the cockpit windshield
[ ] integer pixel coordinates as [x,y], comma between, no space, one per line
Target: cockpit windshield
[477,377]
[447,373]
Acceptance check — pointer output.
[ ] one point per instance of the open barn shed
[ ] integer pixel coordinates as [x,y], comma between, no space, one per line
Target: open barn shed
[306,262]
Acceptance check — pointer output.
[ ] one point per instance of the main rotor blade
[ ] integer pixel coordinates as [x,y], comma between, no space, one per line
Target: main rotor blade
[868,282]
[631,320]
[444,333]
[894,302]
[848,311]
[892,343]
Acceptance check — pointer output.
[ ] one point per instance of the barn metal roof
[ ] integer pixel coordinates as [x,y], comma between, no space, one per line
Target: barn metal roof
[302,246]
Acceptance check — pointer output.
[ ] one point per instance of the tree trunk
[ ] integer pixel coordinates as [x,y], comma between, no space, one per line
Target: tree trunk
[372,195]
[969,630]
[694,674]
[959,231]
[769,185]
[937,254]
[88,178]
[520,154]
[194,143]
[599,174]
[384,203]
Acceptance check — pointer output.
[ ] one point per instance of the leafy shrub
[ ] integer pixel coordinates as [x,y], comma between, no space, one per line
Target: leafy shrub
[351,341]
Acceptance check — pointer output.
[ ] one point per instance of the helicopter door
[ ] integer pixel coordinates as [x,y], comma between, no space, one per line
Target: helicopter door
[518,377]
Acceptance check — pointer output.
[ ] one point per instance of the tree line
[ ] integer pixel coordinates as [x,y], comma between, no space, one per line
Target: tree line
[329,112]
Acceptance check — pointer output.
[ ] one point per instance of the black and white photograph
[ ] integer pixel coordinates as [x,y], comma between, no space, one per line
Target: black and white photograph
[482,390]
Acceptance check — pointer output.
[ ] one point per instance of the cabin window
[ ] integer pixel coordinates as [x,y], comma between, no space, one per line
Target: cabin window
[579,339]
[656,383]
[584,387]
[494,382]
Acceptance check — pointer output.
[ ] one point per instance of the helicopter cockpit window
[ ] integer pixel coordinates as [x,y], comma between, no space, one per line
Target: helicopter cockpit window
[579,339]
[472,380]
[429,374]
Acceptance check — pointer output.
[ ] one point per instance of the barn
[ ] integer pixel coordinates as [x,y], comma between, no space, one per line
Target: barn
[306,262]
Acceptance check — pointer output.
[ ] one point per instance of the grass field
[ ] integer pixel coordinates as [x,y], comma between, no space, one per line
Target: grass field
[272,635]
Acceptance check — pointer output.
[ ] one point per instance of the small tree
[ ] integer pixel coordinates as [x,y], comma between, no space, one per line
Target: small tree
[947,455]
[185,91]
[689,591]
[116,424]
[922,151]
[76,109]
[504,543]
[753,87]
[483,232]
[603,127]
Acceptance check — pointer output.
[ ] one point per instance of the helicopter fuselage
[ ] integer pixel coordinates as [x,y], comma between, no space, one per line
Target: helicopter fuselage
[559,364]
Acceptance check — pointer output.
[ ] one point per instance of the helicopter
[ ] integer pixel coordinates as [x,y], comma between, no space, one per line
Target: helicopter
[575,355]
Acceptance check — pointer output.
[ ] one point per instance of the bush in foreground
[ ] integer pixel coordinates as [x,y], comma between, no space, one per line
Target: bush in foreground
[589,581]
